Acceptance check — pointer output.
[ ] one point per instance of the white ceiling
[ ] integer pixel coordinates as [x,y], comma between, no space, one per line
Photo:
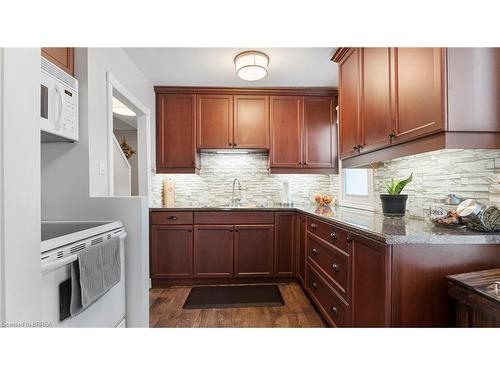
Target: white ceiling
[288,67]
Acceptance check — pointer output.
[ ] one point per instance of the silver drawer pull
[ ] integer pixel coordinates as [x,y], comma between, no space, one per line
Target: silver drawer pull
[314,226]
[333,236]
[335,267]
[314,285]
[314,251]
[334,310]
[172,218]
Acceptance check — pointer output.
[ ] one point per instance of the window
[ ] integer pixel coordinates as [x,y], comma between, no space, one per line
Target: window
[357,188]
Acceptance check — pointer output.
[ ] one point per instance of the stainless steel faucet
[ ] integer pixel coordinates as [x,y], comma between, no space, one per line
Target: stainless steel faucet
[235,201]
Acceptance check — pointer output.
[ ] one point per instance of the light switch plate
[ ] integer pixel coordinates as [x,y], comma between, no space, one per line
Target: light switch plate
[102,167]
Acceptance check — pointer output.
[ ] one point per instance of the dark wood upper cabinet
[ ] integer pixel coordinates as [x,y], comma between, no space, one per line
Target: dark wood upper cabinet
[251,122]
[349,104]
[285,244]
[214,121]
[172,251]
[62,57]
[376,117]
[213,251]
[298,128]
[175,133]
[397,102]
[419,91]
[253,250]
[320,136]
[286,131]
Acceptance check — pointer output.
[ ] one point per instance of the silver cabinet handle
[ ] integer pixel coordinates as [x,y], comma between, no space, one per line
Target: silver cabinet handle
[334,310]
[314,226]
[172,218]
[314,285]
[333,236]
[314,251]
[335,267]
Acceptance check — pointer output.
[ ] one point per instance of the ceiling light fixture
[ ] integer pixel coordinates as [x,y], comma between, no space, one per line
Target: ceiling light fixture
[121,109]
[251,65]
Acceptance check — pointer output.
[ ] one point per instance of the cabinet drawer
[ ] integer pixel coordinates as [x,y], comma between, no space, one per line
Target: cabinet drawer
[171,217]
[234,217]
[335,311]
[330,233]
[333,263]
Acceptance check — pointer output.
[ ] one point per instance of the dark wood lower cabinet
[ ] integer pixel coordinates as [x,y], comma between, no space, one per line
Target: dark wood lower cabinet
[172,251]
[352,279]
[371,282]
[213,250]
[302,250]
[284,264]
[253,250]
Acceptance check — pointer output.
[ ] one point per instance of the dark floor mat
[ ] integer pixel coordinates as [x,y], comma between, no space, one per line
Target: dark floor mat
[233,296]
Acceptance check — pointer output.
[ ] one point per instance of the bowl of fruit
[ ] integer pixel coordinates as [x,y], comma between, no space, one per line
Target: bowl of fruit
[323,200]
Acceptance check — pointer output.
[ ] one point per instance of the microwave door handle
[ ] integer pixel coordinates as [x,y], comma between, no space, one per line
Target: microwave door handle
[60,100]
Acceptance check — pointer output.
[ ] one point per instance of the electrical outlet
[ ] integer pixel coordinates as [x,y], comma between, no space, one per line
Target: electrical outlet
[102,167]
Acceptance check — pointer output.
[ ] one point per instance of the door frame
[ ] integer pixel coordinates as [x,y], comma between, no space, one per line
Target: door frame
[115,88]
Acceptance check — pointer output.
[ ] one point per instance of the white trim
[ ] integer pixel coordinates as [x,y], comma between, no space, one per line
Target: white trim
[364,203]
[143,133]
[2,214]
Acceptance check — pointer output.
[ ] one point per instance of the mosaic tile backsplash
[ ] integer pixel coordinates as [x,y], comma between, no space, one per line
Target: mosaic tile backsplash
[466,173]
[213,186]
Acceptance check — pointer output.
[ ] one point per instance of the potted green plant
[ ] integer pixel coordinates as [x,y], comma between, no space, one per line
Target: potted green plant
[394,203]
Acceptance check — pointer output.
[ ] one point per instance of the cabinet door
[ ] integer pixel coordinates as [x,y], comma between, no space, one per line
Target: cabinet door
[349,106]
[253,250]
[215,121]
[371,282]
[172,251]
[302,249]
[213,250]
[63,57]
[251,122]
[175,132]
[376,94]
[419,92]
[320,138]
[286,131]
[284,264]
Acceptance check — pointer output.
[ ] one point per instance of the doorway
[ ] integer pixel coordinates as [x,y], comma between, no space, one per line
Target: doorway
[129,142]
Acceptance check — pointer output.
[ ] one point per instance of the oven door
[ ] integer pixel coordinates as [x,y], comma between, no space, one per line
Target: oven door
[108,311]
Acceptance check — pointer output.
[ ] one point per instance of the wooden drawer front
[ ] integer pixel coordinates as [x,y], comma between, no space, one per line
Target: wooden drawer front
[234,217]
[171,217]
[334,263]
[330,233]
[331,306]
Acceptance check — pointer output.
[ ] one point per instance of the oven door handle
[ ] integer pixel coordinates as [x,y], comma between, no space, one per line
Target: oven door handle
[47,267]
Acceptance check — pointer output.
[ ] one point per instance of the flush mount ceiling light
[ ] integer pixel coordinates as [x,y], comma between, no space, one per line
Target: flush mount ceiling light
[251,65]
[121,109]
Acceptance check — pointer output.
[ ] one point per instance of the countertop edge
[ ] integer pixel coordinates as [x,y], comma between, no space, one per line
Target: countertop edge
[389,239]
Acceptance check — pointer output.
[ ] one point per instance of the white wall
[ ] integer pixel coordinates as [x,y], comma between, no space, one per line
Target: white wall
[70,172]
[115,60]
[20,185]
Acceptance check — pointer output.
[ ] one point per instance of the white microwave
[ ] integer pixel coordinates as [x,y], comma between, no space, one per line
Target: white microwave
[58,104]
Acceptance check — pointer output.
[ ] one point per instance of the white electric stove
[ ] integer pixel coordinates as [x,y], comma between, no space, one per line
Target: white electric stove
[61,242]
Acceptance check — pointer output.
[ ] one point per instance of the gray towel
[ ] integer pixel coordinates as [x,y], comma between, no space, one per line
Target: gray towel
[95,272]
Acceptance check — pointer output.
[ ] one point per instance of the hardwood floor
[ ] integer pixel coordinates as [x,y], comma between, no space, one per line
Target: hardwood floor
[165,310]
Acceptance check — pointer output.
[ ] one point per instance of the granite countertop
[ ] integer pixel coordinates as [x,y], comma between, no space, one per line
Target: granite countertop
[394,231]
